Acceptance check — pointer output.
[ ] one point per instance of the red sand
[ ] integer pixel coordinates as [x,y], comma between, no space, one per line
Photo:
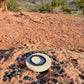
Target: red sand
[41,32]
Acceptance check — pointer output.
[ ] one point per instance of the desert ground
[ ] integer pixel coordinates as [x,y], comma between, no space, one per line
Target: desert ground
[54,34]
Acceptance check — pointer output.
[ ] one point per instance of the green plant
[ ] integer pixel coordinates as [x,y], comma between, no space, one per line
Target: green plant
[12,5]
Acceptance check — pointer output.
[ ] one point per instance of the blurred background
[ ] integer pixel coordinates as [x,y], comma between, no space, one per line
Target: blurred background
[73,7]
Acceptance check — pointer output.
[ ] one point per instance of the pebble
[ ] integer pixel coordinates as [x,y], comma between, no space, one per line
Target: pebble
[7,73]
[27,78]
[19,59]
[23,55]
[62,62]
[52,67]
[10,76]
[53,63]
[21,70]
[16,70]
[14,65]
[28,54]
[56,74]
[55,80]
[22,59]
[57,66]
[62,76]
[61,71]
[5,79]
[10,67]
[54,59]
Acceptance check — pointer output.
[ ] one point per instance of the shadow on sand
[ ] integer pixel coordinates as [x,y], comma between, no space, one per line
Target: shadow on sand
[6,53]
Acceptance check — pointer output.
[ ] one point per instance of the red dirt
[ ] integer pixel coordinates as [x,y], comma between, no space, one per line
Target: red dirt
[40,32]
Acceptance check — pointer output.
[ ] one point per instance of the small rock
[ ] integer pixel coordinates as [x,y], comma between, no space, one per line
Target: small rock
[56,74]
[7,73]
[55,80]
[10,76]
[27,78]
[19,59]
[57,66]
[53,63]
[62,62]
[14,65]
[62,70]
[5,79]
[21,70]
[52,67]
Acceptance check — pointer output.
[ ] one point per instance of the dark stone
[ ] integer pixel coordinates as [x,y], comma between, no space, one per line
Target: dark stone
[52,67]
[14,73]
[23,55]
[10,76]
[57,66]
[19,59]
[62,62]
[62,76]
[54,59]
[21,70]
[61,71]
[5,79]
[41,81]
[22,59]
[16,69]
[14,65]
[7,73]
[53,63]
[27,78]
[55,80]
[11,67]
[56,74]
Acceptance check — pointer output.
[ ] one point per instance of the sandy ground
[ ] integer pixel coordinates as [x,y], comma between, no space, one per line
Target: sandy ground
[25,32]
